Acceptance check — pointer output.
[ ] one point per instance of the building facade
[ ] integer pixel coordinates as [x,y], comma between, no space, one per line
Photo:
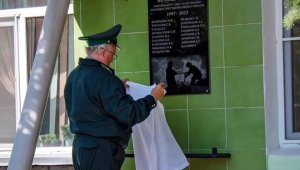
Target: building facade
[252,111]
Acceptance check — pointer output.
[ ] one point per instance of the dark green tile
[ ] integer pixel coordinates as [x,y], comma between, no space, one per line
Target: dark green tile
[133,55]
[208,164]
[243,45]
[246,128]
[207,129]
[216,98]
[76,9]
[216,47]
[242,11]
[128,164]
[177,121]
[247,160]
[139,77]
[174,102]
[132,14]
[97,16]
[215,12]
[244,86]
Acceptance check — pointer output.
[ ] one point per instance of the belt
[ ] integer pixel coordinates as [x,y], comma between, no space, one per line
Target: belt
[116,140]
[113,139]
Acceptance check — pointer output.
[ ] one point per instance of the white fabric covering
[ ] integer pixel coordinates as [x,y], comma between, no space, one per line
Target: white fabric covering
[155,147]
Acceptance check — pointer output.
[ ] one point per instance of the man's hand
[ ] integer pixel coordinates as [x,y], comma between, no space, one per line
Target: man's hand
[158,91]
[124,82]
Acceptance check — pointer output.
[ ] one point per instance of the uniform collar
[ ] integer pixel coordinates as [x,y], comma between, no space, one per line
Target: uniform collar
[95,63]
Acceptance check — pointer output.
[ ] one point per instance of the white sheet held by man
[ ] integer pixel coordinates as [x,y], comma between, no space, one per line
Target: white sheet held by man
[155,147]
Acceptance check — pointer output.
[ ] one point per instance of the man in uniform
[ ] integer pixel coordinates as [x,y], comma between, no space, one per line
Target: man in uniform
[101,114]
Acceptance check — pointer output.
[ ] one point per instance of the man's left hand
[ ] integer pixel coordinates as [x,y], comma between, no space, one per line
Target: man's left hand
[125,83]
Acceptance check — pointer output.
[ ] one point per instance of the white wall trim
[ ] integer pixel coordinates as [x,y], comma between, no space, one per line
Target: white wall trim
[43,156]
[28,12]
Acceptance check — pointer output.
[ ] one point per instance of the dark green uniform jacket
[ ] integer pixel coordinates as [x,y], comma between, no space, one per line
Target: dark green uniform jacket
[97,103]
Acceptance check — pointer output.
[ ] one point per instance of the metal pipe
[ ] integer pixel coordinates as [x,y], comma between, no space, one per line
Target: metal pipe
[38,87]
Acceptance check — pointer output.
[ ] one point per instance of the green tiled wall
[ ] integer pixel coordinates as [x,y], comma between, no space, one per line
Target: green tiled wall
[231,117]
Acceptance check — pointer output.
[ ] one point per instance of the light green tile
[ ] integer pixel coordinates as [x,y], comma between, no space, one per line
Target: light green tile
[247,160]
[246,128]
[133,55]
[79,46]
[208,164]
[96,16]
[174,102]
[216,47]
[141,77]
[244,86]
[243,45]
[216,98]
[242,11]
[207,129]
[177,121]
[79,50]
[128,164]
[215,12]
[132,14]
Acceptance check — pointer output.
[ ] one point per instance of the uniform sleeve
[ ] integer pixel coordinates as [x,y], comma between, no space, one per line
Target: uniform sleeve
[121,106]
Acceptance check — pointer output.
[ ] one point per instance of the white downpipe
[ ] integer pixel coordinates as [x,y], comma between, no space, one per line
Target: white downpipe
[38,87]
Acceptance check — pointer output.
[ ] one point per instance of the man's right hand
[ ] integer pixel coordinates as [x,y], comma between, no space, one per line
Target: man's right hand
[158,91]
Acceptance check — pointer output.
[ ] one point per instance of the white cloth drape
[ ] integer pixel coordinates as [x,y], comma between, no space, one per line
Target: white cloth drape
[7,77]
[155,147]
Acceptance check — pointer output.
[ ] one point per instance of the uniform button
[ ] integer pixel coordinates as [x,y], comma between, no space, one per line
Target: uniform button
[153,105]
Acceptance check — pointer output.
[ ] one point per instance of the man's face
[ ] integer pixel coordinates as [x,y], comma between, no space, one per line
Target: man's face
[110,50]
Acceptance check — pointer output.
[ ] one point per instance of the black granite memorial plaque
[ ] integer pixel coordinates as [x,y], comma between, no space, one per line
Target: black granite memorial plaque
[178,45]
